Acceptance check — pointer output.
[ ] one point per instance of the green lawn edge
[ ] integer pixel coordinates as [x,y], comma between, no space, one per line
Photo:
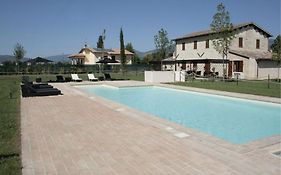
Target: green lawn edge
[261,88]
[10,143]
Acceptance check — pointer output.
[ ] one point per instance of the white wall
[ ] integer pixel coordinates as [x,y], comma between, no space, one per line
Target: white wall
[90,58]
[191,53]
[266,68]
[159,76]
[163,76]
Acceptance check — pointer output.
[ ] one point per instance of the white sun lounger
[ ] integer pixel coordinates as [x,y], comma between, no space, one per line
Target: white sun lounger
[75,77]
[92,77]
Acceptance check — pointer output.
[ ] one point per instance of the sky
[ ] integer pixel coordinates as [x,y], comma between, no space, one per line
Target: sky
[54,27]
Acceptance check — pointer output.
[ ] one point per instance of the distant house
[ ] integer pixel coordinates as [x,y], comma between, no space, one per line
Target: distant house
[248,57]
[38,60]
[90,56]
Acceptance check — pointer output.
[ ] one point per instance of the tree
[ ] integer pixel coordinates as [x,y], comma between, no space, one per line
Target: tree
[130,48]
[223,31]
[276,49]
[122,50]
[162,43]
[100,42]
[19,53]
[103,39]
[147,58]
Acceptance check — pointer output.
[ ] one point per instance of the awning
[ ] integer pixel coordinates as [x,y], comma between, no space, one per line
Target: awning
[107,60]
[77,56]
[203,61]
[190,61]
[258,55]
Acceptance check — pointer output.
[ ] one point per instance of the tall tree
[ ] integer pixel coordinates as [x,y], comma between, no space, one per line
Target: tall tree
[103,39]
[129,47]
[100,42]
[162,43]
[276,49]
[223,31]
[19,53]
[122,50]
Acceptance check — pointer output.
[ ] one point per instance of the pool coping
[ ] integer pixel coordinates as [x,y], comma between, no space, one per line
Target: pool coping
[201,90]
[194,134]
[226,93]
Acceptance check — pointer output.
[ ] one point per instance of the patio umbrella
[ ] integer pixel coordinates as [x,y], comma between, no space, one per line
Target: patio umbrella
[107,60]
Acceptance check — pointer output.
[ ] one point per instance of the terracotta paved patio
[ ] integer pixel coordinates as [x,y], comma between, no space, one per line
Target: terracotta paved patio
[81,134]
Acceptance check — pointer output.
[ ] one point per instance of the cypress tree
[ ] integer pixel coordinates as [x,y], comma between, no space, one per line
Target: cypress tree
[122,50]
[100,42]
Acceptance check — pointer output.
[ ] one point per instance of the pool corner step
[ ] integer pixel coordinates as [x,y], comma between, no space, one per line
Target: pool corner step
[181,135]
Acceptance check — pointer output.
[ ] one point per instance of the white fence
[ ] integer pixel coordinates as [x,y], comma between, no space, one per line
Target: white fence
[164,76]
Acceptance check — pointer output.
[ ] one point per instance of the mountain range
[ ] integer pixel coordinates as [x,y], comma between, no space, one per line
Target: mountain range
[54,58]
[64,57]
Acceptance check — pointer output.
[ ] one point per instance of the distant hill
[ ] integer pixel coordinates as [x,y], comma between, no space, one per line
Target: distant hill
[59,58]
[143,54]
[9,58]
[54,58]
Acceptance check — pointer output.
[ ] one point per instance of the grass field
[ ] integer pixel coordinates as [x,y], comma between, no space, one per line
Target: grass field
[10,162]
[247,87]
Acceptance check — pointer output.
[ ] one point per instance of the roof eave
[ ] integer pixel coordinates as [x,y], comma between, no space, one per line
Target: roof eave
[234,28]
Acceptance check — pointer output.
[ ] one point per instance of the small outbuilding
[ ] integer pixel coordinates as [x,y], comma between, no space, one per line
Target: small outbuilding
[38,60]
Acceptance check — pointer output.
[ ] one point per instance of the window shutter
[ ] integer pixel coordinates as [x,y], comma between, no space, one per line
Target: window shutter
[195,45]
[241,42]
[241,66]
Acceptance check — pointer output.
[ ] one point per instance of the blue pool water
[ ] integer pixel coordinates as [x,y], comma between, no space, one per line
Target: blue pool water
[237,121]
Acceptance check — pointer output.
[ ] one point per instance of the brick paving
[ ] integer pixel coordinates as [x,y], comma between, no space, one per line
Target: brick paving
[75,134]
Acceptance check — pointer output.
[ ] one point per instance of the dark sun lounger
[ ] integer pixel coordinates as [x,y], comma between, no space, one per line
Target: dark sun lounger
[29,91]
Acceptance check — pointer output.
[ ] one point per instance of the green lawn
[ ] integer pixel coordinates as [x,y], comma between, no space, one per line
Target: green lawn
[247,87]
[10,162]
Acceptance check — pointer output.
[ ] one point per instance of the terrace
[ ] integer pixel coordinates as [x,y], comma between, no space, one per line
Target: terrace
[78,133]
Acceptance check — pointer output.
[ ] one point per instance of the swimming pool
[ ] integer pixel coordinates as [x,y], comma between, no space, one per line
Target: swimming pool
[235,120]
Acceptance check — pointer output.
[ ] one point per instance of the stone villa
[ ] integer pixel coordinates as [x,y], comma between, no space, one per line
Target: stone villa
[90,56]
[249,54]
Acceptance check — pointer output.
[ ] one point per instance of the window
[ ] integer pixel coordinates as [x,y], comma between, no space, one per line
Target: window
[207,43]
[113,58]
[183,46]
[195,45]
[257,44]
[240,42]
[238,66]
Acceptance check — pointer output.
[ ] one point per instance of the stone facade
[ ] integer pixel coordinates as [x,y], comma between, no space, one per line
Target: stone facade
[248,47]
[90,56]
